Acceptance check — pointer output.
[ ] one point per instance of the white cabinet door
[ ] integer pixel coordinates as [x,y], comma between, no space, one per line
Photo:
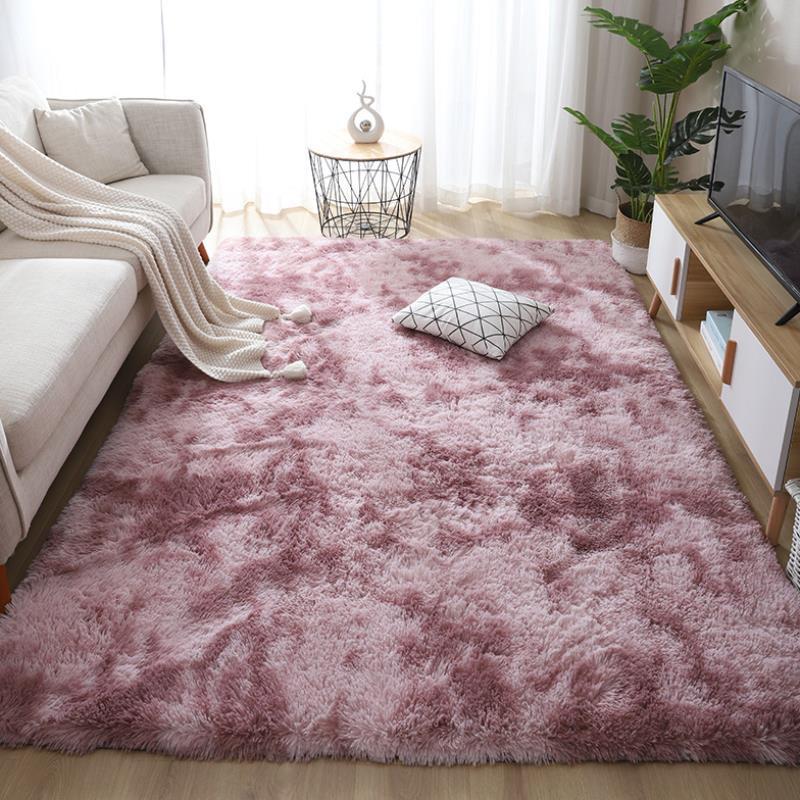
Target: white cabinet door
[761,401]
[667,248]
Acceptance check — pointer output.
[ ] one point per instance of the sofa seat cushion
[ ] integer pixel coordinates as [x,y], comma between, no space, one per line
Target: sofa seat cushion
[185,193]
[56,318]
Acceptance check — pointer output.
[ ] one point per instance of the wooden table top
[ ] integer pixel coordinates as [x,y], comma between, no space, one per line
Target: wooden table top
[339,145]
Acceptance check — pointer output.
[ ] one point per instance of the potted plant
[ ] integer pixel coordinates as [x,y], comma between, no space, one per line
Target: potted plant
[646,148]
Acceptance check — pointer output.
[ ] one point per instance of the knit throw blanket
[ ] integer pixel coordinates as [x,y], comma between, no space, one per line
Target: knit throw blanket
[219,333]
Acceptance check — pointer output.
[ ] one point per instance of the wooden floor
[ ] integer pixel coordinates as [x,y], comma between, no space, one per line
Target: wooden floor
[30,774]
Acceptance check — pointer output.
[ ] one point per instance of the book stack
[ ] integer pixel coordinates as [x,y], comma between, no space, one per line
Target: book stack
[716,330]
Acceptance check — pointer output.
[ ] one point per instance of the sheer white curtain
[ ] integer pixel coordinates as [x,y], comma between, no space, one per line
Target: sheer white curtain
[83,48]
[482,83]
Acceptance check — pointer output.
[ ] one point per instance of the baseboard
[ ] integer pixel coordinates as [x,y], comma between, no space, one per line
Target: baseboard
[84,452]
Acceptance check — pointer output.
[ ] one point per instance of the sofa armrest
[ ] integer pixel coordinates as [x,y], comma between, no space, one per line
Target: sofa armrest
[170,136]
[13,526]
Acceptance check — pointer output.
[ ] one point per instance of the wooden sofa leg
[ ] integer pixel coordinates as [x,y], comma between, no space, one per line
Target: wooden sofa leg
[5,589]
[201,248]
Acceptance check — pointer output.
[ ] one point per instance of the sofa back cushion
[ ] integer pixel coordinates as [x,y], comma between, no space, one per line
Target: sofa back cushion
[19,97]
[92,139]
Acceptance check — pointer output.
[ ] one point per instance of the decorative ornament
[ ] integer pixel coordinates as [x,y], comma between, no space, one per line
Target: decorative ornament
[365,130]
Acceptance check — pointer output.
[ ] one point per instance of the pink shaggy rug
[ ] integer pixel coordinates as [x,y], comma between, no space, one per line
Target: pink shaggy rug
[417,554]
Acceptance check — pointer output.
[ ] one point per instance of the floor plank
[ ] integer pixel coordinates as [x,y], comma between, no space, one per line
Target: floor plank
[29,774]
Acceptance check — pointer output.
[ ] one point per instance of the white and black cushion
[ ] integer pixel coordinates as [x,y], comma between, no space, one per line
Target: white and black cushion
[474,316]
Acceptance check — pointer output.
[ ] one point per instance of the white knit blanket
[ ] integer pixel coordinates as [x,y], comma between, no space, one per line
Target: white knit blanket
[219,333]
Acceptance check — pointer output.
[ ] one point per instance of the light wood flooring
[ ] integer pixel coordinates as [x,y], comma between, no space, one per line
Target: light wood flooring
[30,774]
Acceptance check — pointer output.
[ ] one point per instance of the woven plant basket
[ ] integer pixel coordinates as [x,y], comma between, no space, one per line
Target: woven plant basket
[629,241]
[630,231]
[793,565]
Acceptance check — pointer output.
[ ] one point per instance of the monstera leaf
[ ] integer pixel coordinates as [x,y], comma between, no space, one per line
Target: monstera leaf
[686,63]
[699,127]
[636,132]
[616,147]
[633,175]
[695,184]
[708,29]
[642,37]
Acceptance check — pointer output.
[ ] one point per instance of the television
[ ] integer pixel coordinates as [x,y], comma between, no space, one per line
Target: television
[755,180]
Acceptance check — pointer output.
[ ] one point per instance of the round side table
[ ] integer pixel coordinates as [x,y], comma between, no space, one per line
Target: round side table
[365,190]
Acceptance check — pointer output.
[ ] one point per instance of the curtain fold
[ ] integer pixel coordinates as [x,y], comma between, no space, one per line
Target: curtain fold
[482,83]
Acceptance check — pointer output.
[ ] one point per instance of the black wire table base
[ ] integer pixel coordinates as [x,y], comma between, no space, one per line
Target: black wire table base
[365,198]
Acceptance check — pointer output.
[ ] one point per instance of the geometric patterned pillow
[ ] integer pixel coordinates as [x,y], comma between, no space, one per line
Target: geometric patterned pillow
[474,316]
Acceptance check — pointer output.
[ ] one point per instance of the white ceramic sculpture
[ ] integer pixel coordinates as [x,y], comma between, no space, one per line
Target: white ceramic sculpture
[366,129]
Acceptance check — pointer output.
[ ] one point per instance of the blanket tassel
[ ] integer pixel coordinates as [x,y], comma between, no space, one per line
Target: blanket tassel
[300,315]
[296,371]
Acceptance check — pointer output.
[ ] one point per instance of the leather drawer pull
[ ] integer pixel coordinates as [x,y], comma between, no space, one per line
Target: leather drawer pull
[727,361]
[676,271]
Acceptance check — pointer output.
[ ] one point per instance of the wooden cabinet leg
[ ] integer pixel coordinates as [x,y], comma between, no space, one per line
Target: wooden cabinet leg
[5,589]
[201,248]
[777,511]
[655,304]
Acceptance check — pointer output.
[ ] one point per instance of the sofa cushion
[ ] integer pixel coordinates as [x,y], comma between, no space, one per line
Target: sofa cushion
[185,193]
[92,139]
[56,318]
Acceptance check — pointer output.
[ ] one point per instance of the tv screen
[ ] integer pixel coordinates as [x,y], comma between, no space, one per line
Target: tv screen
[755,183]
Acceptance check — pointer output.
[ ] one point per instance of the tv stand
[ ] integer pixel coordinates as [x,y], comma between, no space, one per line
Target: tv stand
[790,314]
[695,269]
[707,218]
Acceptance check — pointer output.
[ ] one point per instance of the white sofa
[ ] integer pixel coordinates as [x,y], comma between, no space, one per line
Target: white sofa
[70,313]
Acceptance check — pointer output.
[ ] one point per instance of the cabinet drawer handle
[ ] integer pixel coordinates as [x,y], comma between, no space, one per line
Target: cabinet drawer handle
[727,361]
[676,271]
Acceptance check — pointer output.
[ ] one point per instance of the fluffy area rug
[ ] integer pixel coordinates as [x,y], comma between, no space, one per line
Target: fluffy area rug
[418,553]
